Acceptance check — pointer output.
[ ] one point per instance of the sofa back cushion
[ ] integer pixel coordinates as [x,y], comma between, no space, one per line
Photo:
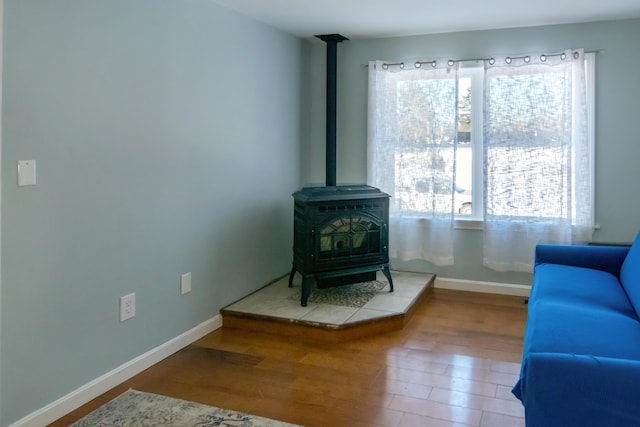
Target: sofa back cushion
[630,275]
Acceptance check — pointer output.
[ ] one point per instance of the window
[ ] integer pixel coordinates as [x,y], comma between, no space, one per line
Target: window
[428,145]
[513,193]
[506,145]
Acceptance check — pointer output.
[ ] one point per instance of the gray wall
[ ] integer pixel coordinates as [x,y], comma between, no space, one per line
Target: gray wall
[166,135]
[617,93]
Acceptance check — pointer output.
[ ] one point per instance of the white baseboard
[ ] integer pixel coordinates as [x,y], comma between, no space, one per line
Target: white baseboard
[485,287]
[104,383]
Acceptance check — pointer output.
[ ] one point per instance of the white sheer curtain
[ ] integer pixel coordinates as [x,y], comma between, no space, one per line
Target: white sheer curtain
[412,137]
[538,183]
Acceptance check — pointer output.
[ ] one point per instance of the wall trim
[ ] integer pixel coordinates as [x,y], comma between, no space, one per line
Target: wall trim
[486,287]
[106,382]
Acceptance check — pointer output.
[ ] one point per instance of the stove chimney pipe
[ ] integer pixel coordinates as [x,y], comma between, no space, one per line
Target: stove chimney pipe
[332,41]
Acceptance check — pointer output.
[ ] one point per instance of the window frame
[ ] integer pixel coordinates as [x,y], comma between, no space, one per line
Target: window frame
[475,72]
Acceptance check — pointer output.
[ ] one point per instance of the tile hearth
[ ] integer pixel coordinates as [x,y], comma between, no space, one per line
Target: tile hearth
[276,308]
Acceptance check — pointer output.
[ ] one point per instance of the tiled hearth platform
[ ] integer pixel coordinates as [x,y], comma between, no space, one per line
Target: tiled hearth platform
[276,308]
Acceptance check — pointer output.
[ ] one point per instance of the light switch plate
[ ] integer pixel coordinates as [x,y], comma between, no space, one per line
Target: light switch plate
[185,283]
[26,172]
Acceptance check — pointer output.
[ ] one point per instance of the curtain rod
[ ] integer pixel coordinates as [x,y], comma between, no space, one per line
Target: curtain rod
[508,60]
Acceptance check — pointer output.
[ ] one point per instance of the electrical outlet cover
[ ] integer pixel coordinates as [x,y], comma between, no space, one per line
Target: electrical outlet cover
[127,307]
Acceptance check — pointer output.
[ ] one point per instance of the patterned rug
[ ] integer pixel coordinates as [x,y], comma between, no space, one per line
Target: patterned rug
[354,295]
[136,408]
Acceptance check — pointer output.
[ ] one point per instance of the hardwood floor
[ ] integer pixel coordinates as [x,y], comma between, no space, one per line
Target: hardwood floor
[453,364]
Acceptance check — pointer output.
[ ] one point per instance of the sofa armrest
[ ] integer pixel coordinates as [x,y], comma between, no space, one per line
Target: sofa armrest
[558,390]
[605,258]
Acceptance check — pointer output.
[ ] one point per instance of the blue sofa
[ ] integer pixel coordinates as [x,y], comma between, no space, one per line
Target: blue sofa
[581,358]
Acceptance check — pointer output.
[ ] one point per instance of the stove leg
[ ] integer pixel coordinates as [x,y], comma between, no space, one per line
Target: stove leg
[387,274]
[307,281]
[293,273]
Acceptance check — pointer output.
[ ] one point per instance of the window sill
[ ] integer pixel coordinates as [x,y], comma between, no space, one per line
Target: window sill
[468,224]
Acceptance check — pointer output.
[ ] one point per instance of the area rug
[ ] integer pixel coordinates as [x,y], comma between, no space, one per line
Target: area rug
[137,409]
[354,295]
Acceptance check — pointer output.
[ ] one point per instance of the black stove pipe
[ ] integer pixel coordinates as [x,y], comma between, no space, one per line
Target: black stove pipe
[332,41]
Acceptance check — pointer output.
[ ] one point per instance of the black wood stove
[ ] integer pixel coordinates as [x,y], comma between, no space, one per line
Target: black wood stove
[340,233]
[340,236]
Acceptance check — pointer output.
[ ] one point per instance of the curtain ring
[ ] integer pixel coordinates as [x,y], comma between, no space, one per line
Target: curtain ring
[417,64]
[543,57]
[527,59]
[434,64]
[563,56]
[492,61]
[508,60]
[385,66]
[450,63]
[576,55]
[402,65]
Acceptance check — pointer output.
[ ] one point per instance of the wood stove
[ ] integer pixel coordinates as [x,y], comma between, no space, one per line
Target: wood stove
[340,232]
[340,236]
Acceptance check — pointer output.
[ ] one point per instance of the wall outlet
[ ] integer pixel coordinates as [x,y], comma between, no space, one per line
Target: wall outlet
[127,307]
[185,283]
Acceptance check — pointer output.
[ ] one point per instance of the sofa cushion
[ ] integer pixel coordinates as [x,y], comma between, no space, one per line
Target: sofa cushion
[579,286]
[630,274]
[578,310]
[561,327]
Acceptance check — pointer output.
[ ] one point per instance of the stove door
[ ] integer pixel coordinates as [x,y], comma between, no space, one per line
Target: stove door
[349,236]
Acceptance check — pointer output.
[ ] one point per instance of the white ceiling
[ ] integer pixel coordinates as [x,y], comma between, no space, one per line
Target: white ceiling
[359,19]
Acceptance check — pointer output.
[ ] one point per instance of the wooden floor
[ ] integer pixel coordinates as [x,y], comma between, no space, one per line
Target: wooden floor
[453,364]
